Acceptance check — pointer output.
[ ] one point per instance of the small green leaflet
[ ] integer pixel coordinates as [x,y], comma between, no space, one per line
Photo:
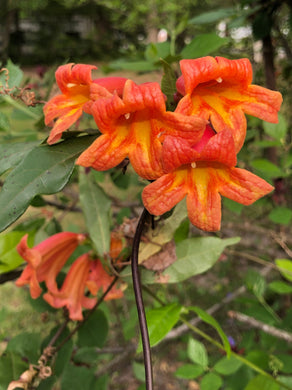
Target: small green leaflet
[206,317]
[160,321]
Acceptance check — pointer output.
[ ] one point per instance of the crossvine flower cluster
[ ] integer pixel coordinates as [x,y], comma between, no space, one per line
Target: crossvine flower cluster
[189,152]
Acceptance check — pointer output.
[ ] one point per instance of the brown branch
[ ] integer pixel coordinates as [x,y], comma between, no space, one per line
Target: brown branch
[123,358]
[9,276]
[276,332]
[182,329]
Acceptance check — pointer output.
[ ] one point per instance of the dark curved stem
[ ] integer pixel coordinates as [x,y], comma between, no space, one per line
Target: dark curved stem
[139,302]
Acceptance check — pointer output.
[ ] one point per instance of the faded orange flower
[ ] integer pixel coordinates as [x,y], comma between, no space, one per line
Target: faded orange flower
[72,293]
[46,259]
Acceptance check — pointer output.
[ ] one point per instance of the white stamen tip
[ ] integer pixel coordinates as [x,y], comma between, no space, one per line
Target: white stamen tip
[193,165]
[219,80]
[70,85]
[127,116]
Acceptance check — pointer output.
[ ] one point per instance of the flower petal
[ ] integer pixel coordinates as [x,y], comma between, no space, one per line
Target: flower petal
[242,186]
[219,89]
[203,200]
[164,193]
[218,148]
[72,293]
[106,152]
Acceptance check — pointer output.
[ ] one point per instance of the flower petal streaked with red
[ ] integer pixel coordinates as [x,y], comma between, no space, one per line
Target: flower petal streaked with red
[202,172]
[46,259]
[220,90]
[203,185]
[135,127]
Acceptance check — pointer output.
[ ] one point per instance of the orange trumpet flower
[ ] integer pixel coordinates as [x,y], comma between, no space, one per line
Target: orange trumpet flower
[135,127]
[46,260]
[201,173]
[72,292]
[79,91]
[220,90]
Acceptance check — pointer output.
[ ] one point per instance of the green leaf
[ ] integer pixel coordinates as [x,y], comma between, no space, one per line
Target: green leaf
[189,371]
[139,371]
[15,75]
[211,381]
[48,384]
[285,267]
[86,355]
[276,130]
[213,16]
[4,122]
[94,331]
[203,45]
[211,321]
[9,257]
[45,170]
[11,367]
[233,206]
[255,282]
[265,167]
[259,358]
[281,215]
[227,366]
[262,382]
[285,361]
[160,321]
[76,378]
[155,51]
[280,287]
[96,207]
[197,353]
[195,256]
[12,154]
[286,380]
[182,231]
[27,345]
[168,84]
[135,66]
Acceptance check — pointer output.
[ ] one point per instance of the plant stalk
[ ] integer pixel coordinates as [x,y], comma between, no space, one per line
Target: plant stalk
[139,302]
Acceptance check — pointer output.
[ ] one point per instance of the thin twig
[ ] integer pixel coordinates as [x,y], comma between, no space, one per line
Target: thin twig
[139,302]
[279,333]
[87,315]
[122,358]
[182,329]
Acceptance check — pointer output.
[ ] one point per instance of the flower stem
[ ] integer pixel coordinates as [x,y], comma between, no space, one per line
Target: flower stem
[139,302]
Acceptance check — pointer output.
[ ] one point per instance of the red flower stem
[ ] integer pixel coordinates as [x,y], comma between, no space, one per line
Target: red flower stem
[139,301]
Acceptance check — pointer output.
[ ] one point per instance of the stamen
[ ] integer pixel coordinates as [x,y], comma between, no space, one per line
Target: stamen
[193,165]
[127,116]
[219,80]
[70,85]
